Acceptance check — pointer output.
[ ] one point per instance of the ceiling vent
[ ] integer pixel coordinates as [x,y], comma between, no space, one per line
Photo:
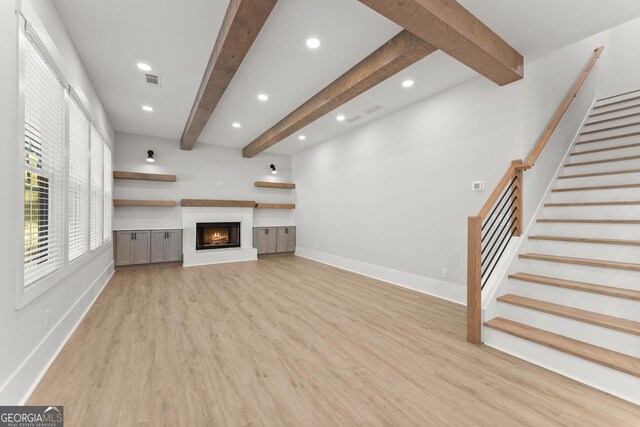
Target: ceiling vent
[354,119]
[152,79]
[373,109]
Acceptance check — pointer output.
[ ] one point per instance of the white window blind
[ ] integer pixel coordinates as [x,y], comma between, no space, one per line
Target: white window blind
[78,181]
[96,189]
[107,194]
[44,101]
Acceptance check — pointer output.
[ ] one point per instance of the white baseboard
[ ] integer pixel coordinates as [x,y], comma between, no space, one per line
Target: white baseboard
[437,288]
[27,376]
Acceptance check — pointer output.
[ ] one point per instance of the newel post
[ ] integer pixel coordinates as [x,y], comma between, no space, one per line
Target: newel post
[474,278]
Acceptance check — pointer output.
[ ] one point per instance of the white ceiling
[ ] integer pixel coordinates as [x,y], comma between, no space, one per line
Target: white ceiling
[176,38]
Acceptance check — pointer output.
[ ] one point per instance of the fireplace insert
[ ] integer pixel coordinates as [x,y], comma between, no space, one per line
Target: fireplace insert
[217,235]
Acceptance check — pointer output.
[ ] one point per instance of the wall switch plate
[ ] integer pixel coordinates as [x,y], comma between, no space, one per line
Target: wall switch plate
[444,273]
[46,318]
[477,186]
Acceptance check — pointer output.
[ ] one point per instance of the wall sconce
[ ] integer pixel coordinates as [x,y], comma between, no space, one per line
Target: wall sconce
[150,158]
[273,169]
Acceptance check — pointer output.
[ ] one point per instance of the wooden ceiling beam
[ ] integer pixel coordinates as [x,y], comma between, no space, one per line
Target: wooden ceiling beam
[241,25]
[451,28]
[395,55]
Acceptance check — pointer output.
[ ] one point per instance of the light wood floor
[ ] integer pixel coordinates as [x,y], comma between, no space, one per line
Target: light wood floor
[287,341]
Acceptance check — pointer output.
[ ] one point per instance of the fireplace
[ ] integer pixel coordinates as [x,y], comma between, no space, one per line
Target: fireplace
[217,235]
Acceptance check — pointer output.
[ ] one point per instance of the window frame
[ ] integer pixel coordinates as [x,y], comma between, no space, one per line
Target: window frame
[25,294]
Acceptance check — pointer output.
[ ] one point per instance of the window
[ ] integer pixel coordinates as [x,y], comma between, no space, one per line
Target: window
[78,181]
[107,194]
[44,129]
[96,189]
[66,175]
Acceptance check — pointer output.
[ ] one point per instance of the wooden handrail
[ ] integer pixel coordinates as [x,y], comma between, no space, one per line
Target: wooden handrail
[546,135]
[513,174]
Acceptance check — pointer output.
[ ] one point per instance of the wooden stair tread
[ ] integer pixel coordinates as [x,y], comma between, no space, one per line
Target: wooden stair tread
[590,221]
[587,240]
[627,116]
[602,356]
[589,175]
[627,125]
[598,319]
[629,107]
[618,95]
[611,291]
[569,204]
[596,187]
[596,162]
[621,101]
[582,261]
[608,138]
[601,150]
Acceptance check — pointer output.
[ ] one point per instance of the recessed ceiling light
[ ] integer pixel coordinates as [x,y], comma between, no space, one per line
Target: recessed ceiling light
[147,108]
[340,118]
[263,97]
[235,125]
[144,67]
[302,137]
[407,83]
[313,43]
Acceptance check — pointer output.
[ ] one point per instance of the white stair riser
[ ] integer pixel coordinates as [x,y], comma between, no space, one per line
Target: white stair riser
[598,145]
[625,178]
[625,279]
[598,376]
[612,132]
[601,167]
[627,212]
[603,304]
[585,250]
[604,231]
[602,337]
[628,102]
[616,97]
[607,195]
[611,154]
[612,123]
[611,115]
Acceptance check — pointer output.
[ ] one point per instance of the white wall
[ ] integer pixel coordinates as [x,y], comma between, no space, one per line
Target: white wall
[206,172]
[27,346]
[625,57]
[396,193]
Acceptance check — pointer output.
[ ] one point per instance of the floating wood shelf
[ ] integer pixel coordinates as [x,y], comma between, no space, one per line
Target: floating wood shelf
[275,206]
[205,203]
[148,203]
[143,176]
[285,185]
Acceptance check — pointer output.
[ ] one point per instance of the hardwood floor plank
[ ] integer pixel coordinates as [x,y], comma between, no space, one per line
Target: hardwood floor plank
[288,341]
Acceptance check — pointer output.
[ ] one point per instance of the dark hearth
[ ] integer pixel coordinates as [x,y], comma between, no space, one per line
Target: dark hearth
[217,235]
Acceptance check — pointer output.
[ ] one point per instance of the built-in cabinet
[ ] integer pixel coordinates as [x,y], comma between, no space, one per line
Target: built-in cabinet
[147,247]
[271,240]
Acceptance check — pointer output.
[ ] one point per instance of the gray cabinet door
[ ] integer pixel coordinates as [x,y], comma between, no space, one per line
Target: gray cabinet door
[123,247]
[265,240]
[286,239]
[141,253]
[158,239]
[173,246]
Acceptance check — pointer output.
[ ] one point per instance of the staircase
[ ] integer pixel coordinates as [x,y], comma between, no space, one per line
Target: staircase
[572,300]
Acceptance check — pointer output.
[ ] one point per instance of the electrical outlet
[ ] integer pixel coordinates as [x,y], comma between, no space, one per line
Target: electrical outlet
[46,318]
[477,186]
[317,245]
[444,273]
[219,184]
